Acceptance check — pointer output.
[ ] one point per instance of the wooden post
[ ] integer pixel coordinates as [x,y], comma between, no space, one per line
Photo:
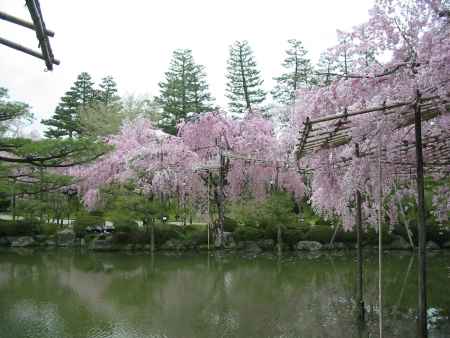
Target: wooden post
[359,256]
[422,266]
[380,239]
[221,200]
[209,204]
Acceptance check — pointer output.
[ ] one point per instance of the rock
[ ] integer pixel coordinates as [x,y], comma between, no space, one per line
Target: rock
[432,246]
[102,244]
[65,237]
[173,244]
[128,247]
[40,238]
[251,247]
[228,241]
[399,243]
[50,242]
[23,242]
[309,246]
[334,246]
[266,244]
[446,245]
[4,241]
[204,247]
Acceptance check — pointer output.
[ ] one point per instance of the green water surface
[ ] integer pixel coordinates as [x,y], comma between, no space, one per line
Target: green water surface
[68,293]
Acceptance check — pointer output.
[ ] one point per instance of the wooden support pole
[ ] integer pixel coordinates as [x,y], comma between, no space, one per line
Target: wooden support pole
[23,23]
[359,256]
[380,239]
[25,50]
[422,266]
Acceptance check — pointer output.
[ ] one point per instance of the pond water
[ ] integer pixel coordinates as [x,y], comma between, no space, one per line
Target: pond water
[65,293]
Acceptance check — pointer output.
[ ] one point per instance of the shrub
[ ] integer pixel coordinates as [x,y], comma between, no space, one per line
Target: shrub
[248,233]
[121,238]
[438,233]
[291,236]
[127,226]
[19,228]
[198,236]
[49,228]
[230,224]
[164,232]
[82,221]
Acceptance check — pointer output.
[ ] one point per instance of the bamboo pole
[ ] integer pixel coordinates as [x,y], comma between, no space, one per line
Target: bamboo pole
[209,203]
[23,23]
[380,240]
[422,266]
[359,256]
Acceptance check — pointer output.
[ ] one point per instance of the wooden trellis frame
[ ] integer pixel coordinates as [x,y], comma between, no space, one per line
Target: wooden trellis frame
[336,130]
[42,34]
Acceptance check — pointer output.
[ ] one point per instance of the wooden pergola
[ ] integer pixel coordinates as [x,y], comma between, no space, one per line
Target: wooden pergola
[432,155]
[42,34]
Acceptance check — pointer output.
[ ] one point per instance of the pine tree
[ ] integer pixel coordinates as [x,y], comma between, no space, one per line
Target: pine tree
[183,91]
[200,98]
[326,68]
[66,119]
[299,73]
[244,82]
[108,91]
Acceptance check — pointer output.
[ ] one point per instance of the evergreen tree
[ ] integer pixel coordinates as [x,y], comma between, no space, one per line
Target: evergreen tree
[326,68]
[299,73]
[244,82]
[66,119]
[200,98]
[108,91]
[183,91]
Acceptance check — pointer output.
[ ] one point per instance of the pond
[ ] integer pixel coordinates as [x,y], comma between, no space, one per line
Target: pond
[65,293]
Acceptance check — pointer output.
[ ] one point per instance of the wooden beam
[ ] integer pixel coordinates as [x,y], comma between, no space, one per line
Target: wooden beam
[25,50]
[422,265]
[23,23]
[36,14]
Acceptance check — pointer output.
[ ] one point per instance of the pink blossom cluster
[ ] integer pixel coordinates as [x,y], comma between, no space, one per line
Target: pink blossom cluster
[402,50]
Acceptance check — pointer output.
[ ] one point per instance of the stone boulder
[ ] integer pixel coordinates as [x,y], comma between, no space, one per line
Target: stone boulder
[23,242]
[228,241]
[308,246]
[173,244]
[50,242]
[4,241]
[250,247]
[399,243]
[266,244]
[40,238]
[334,246]
[102,243]
[204,247]
[65,237]
[446,245]
[432,246]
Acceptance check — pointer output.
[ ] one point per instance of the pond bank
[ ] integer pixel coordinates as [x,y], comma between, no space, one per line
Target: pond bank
[108,242]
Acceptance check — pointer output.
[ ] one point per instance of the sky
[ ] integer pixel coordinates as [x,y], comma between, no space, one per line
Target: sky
[133,41]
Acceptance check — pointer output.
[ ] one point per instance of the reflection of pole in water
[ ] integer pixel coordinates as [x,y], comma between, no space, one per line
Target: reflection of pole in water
[402,290]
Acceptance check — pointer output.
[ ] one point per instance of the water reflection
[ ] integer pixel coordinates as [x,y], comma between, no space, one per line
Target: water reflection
[74,294]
